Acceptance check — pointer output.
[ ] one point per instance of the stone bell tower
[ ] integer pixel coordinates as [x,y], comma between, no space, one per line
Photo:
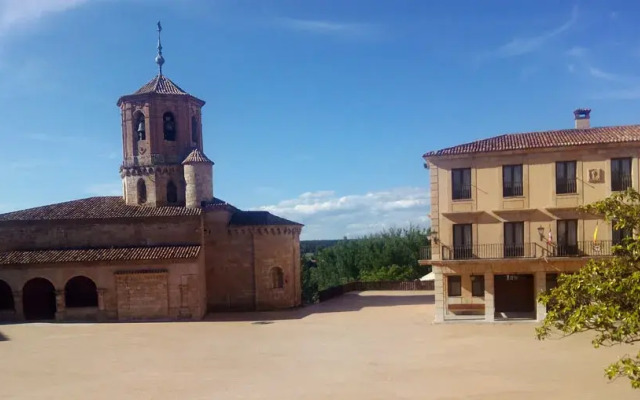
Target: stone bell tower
[161,126]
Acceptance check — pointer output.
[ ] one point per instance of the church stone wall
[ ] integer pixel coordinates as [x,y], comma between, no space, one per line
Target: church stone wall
[133,290]
[104,233]
[228,265]
[277,247]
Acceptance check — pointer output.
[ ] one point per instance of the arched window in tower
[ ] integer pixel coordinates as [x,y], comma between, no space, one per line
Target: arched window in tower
[142,191]
[139,126]
[194,130]
[172,192]
[169,126]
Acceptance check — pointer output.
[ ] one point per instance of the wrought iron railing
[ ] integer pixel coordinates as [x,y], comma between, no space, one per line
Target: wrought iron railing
[564,186]
[527,250]
[620,182]
[461,192]
[425,253]
[510,189]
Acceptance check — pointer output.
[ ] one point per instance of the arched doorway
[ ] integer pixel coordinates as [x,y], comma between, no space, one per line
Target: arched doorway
[6,297]
[39,299]
[80,291]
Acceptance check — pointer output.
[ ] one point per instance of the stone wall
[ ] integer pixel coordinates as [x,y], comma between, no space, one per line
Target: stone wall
[277,247]
[103,233]
[228,264]
[239,263]
[167,289]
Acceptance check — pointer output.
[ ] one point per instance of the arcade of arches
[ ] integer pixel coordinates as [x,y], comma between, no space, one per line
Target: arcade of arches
[39,299]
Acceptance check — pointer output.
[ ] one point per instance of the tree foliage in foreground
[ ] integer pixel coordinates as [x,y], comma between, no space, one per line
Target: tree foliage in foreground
[604,296]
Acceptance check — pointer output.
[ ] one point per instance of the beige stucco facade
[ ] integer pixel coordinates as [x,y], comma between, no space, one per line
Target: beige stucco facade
[539,209]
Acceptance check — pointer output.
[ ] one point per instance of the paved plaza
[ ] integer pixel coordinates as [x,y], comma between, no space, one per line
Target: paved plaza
[369,345]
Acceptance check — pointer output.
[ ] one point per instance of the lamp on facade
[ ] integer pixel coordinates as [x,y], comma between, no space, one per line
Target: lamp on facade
[541,232]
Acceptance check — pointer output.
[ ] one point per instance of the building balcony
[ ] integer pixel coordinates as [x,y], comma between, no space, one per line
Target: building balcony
[527,250]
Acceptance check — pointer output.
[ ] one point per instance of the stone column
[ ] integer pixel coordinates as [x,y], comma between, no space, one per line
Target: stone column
[439,294]
[17,303]
[102,314]
[60,305]
[540,286]
[489,304]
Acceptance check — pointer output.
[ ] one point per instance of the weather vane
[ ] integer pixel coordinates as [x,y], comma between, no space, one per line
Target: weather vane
[159,58]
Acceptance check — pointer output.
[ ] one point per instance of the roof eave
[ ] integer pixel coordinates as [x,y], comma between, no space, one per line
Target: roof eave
[140,96]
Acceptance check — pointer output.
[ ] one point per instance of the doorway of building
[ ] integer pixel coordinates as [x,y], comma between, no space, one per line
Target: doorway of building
[39,300]
[514,294]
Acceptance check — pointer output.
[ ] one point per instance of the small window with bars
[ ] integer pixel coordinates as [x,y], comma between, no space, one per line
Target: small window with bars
[454,286]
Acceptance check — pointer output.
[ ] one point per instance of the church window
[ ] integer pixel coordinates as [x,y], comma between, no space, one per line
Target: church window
[194,129]
[140,127]
[277,278]
[142,191]
[169,126]
[172,192]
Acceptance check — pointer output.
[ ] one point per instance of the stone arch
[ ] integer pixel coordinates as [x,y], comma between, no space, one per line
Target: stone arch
[277,278]
[194,129]
[139,126]
[142,191]
[80,291]
[39,299]
[172,192]
[6,297]
[169,126]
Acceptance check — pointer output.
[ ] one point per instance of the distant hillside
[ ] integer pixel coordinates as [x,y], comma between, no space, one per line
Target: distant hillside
[313,246]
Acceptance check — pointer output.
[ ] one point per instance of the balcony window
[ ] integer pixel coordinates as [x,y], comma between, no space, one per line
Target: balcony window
[461,183]
[462,241]
[618,235]
[511,180]
[566,177]
[620,174]
[477,285]
[514,239]
[454,286]
[567,238]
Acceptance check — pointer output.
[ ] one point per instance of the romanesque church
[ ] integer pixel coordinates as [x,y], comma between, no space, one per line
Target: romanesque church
[165,249]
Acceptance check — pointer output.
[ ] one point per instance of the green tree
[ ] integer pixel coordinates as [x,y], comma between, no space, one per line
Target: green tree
[603,297]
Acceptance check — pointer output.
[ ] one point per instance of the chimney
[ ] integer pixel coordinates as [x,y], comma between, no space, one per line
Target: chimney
[582,118]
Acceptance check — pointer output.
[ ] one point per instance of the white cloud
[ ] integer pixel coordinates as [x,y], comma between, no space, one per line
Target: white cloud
[577,51]
[323,27]
[608,76]
[525,45]
[16,14]
[327,215]
[105,189]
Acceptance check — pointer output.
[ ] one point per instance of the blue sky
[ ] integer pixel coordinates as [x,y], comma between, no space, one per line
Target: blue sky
[317,110]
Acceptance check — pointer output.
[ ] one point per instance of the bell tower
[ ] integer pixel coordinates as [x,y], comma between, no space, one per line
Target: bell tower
[161,126]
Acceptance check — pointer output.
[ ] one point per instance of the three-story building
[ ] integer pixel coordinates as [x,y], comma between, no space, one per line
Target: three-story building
[505,217]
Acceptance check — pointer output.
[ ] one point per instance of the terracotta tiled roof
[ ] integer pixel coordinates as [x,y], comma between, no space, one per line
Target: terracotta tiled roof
[160,84]
[95,208]
[196,156]
[248,218]
[88,255]
[539,140]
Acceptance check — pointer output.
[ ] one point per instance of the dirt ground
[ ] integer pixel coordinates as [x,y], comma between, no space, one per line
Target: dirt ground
[370,345]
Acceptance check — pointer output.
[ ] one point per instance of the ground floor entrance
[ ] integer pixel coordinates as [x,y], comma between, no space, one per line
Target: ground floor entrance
[514,293]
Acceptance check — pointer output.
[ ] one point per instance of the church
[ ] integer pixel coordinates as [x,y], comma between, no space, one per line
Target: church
[167,249]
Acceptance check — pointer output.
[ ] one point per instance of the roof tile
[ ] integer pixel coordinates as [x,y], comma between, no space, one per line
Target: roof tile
[160,84]
[196,156]
[95,208]
[100,254]
[546,139]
